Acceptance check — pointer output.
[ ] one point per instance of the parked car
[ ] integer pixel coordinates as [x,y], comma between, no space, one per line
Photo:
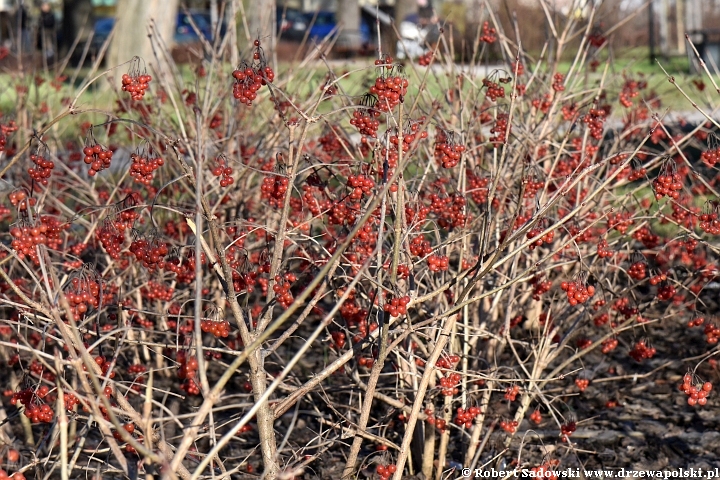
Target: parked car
[322,23]
[184,31]
[291,24]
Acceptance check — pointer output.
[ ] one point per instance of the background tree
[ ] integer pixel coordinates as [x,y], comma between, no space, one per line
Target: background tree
[348,16]
[261,22]
[131,36]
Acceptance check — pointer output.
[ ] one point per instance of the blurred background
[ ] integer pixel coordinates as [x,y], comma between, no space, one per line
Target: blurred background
[643,29]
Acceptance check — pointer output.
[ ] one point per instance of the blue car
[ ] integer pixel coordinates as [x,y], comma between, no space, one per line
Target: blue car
[184,31]
[325,22]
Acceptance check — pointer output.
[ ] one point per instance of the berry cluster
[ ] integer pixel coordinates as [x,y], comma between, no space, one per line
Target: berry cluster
[696,391]
[710,221]
[438,263]
[249,78]
[223,170]
[447,150]
[104,365]
[603,249]
[449,384]
[282,288]
[568,429]
[656,279]
[595,121]
[668,182]
[609,344]
[143,166]
[274,189]
[35,408]
[558,80]
[510,426]
[711,156]
[27,235]
[712,333]
[150,252]
[582,383]
[136,81]
[577,291]
[338,339]
[535,232]
[540,286]
[499,130]
[532,186]
[360,185]
[511,393]
[42,169]
[20,199]
[638,269]
[83,292]
[97,156]
[642,351]
[666,292]
[187,372]
[396,306]
[111,238]
[218,328]
[365,120]
[466,417]
[389,88]
[536,416]
[385,471]
[439,423]
[489,34]
[425,59]
[494,90]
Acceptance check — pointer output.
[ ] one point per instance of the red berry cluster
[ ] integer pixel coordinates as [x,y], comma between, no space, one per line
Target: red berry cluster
[274,189]
[499,130]
[282,288]
[668,182]
[630,91]
[111,238]
[27,235]
[697,391]
[609,344]
[637,172]
[696,321]
[510,426]
[35,408]
[666,292]
[595,121]
[42,170]
[218,328]
[338,339]
[249,78]
[638,270]
[656,279]
[642,351]
[97,156]
[136,81]
[361,185]
[365,117]
[136,85]
[389,88]
[438,263]
[712,333]
[223,170]
[536,416]
[425,59]
[511,393]
[568,429]
[448,362]
[449,384]
[557,84]
[385,471]
[20,199]
[143,166]
[710,221]
[83,292]
[603,249]
[532,186]
[534,232]
[150,252]
[466,417]
[447,150]
[489,34]
[396,306]
[540,286]
[439,423]
[711,156]
[187,372]
[577,292]
[494,90]
[582,383]
[104,365]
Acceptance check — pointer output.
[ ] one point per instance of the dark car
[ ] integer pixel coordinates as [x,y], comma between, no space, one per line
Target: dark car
[322,23]
[291,24]
[184,31]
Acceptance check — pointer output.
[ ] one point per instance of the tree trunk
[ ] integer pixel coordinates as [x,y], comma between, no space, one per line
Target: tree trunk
[348,17]
[78,21]
[132,36]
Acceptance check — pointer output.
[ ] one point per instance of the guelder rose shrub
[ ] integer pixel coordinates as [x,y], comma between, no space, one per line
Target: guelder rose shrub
[395,268]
